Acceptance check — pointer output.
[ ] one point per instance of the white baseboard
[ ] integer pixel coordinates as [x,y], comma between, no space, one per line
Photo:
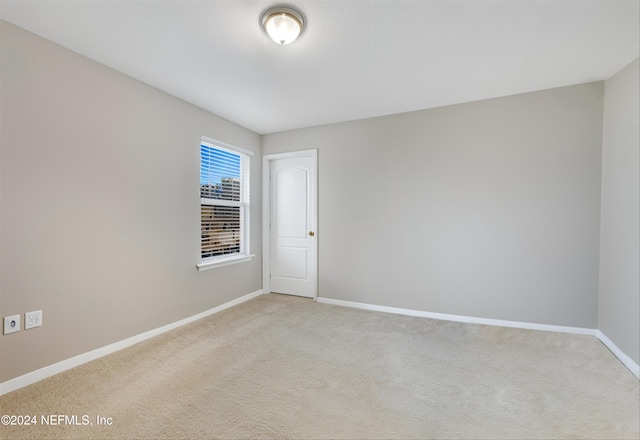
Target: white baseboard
[67,364]
[461,318]
[626,360]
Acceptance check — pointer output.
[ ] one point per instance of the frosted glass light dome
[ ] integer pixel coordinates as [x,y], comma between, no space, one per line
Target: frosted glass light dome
[282,24]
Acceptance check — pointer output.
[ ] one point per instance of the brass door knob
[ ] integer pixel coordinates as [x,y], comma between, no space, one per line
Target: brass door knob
[311,233]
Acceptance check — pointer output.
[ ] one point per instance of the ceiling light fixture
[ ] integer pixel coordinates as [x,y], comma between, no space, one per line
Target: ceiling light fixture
[282,24]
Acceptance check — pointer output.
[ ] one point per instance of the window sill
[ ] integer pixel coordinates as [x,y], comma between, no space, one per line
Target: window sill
[206,265]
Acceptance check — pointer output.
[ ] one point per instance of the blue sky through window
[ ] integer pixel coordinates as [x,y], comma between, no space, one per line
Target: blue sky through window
[216,164]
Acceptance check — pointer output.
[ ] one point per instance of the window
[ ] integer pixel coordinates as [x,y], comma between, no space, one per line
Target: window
[224,204]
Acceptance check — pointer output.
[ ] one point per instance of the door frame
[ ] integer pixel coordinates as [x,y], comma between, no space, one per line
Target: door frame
[266,212]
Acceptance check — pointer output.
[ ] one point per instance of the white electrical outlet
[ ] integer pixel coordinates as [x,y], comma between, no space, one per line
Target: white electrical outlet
[11,324]
[32,319]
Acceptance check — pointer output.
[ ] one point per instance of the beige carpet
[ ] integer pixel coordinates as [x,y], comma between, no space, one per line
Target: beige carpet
[286,367]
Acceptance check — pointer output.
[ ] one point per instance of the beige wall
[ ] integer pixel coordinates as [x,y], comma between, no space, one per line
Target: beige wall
[100,205]
[487,209]
[619,317]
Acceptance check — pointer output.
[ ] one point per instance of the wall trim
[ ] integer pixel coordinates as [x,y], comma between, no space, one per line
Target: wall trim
[626,360]
[461,318]
[67,364]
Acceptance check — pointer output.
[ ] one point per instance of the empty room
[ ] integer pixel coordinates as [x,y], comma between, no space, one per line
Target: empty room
[340,219]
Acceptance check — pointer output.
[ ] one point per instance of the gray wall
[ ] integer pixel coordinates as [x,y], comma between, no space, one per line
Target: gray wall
[100,205]
[487,209]
[619,317]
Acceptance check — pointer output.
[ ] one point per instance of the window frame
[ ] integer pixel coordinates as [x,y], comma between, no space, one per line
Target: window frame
[244,206]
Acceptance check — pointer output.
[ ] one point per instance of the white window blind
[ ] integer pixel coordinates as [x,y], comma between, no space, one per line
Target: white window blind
[224,202]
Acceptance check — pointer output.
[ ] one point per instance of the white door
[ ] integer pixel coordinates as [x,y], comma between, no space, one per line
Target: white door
[293,226]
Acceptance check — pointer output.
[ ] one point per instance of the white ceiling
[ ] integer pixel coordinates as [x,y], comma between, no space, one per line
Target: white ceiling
[355,58]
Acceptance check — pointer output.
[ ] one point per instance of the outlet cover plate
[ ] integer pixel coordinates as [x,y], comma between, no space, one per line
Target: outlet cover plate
[32,319]
[11,324]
